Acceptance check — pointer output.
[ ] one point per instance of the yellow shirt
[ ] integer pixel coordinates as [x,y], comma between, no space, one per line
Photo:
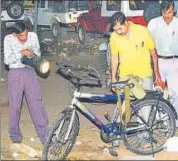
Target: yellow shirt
[134,54]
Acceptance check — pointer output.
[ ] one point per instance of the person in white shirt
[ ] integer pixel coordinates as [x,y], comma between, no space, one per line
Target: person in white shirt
[164,30]
[22,80]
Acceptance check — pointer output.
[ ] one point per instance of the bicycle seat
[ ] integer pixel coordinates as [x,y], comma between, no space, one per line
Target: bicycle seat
[120,84]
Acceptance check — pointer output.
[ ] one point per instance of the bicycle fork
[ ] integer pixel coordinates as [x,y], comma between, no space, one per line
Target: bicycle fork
[70,125]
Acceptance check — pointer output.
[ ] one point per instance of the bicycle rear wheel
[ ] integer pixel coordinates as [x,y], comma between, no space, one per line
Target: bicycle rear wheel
[149,136]
[55,147]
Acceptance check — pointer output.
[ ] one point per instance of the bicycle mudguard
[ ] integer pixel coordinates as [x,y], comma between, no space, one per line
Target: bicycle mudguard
[156,95]
[172,107]
[150,93]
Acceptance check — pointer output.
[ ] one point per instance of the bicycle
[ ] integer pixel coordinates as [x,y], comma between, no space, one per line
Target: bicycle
[135,134]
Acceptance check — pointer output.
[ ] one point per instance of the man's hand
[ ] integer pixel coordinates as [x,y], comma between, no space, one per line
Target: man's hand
[26,52]
[113,89]
[159,82]
[113,81]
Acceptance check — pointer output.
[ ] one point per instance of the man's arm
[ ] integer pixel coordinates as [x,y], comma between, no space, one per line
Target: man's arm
[9,56]
[114,51]
[114,65]
[36,45]
[151,28]
[154,55]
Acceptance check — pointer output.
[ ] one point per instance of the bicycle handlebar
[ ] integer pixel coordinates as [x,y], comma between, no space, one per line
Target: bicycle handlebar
[93,77]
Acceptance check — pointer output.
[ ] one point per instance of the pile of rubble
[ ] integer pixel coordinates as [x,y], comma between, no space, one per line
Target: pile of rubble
[70,47]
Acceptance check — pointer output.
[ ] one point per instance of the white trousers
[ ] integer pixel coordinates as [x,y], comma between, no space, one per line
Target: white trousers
[169,71]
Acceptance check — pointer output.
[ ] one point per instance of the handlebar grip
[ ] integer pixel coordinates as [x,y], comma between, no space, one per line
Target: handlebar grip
[66,72]
[75,80]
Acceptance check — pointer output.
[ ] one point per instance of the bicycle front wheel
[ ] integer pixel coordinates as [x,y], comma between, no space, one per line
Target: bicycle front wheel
[151,133]
[56,147]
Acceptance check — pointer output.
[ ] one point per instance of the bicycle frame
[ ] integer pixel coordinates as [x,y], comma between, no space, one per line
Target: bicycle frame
[143,130]
[140,128]
[77,105]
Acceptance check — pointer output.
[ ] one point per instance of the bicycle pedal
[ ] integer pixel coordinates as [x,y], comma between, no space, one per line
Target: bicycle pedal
[112,151]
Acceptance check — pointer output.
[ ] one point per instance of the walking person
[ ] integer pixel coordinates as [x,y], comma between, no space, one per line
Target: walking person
[164,30]
[22,80]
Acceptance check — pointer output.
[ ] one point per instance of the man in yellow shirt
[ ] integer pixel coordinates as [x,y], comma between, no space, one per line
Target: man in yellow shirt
[132,47]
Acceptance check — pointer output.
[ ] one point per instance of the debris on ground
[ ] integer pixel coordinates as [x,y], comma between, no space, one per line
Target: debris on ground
[22,148]
[78,143]
[70,47]
[3,80]
[32,139]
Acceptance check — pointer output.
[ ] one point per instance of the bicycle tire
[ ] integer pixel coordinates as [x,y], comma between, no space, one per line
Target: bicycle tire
[58,145]
[165,109]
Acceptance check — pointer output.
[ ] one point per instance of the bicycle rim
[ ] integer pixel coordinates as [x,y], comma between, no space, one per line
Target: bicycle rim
[146,142]
[56,148]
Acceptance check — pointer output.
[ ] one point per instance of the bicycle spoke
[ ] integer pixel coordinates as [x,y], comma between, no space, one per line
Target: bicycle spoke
[159,137]
[53,151]
[155,133]
[56,148]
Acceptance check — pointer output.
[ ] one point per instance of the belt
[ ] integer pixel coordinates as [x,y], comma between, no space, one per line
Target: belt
[167,57]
